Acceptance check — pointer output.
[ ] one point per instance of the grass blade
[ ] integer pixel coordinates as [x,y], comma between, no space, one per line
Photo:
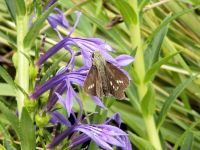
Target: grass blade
[141,143]
[27,131]
[154,68]
[187,143]
[152,52]
[6,90]
[34,30]
[167,105]
[10,116]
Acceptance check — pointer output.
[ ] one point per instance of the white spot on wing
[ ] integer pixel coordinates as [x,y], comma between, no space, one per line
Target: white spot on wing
[119,81]
[116,88]
[91,86]
[111,83]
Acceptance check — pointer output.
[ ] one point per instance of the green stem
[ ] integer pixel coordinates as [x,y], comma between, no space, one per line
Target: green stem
[152,132]
[139,67]
[22,77]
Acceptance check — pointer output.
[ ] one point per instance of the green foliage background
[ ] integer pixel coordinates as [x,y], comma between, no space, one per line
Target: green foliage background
[162,111]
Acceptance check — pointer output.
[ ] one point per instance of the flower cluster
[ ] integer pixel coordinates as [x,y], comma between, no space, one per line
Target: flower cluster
[62,83]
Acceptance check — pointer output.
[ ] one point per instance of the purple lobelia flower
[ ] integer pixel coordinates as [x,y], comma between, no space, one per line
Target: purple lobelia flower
[63,81]
[66,78]
[104,135]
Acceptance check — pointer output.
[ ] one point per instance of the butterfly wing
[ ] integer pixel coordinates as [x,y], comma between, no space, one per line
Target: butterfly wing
[90,81]
[117,81]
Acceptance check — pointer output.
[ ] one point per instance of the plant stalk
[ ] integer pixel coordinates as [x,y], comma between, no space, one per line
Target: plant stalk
[139,67]
[22,66]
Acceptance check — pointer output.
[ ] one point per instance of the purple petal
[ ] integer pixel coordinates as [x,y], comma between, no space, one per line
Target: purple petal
[63,21]
[52,51]
[53,98]
[127,143]
[78,15]
[109,58]
[58,19]
[79,140]
[111,140]
[51,2]
[61,99]
[61,118]
[112,130]
[95,138]
[48,85]
[107,47]
[80,105]
[104,135]
[69,99]
[124,60]
[60,137]
[98,102]
[116,117]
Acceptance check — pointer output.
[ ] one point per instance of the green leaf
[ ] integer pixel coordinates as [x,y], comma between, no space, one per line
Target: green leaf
[187,143]
[141,143]
[8,38]
[9,80]
[11,8]
[20,7]
[148,103]
[168,103]
[7,77]
[6,90]
[1,147]
[152,52]
[11,117]
[128,13]
[172,17]
[183,138]
[143,4]
[27,131]
[154,68]
[9,145]
[34,30]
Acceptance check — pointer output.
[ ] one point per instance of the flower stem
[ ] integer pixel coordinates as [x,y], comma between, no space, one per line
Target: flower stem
[152,132]
[139,67]
[22,66]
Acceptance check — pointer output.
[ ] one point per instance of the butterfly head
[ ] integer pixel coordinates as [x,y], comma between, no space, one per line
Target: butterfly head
[97,58]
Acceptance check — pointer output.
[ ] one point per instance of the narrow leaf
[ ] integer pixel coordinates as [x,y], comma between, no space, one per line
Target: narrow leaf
[6,90]
[11,117]
[152,52]
[187,143]
[143,4]
[154,68]
[9,145]
[148,103]
[4,74]
[20,7]
[27,131]
[167,105]
[172,17]
[11,8]
[34,30]
[1,147]
[127,12]
[141,143]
